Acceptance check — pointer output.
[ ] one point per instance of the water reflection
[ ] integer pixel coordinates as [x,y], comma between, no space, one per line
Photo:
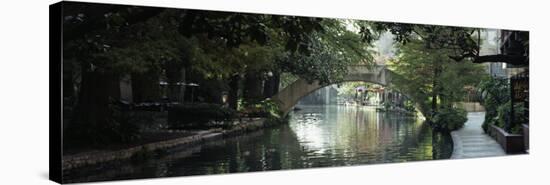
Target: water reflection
[317,136]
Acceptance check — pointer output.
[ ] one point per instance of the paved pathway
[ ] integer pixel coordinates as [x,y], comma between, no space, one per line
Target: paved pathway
[470,141]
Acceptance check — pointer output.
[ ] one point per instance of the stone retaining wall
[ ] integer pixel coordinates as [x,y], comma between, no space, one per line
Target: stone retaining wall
[96,157]
[471,106]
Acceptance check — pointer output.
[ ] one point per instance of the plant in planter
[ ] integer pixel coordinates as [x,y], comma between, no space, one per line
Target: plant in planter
[496,93]
[498,118]
[503,117]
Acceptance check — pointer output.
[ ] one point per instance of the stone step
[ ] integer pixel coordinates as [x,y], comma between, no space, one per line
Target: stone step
[482,150]
[474,155]
[471,141]
[480,145]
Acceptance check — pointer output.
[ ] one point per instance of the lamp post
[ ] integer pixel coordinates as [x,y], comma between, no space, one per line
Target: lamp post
[225,96]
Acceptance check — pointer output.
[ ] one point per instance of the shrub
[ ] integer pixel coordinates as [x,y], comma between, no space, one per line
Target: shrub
[409,106]
[503,116]
[490,119]
[449,119]
[199,115]
[495,93]
[387,105]
[119,127]
[126,128]
[265,108]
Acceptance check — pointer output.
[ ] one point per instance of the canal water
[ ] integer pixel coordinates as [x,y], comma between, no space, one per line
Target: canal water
[317,136]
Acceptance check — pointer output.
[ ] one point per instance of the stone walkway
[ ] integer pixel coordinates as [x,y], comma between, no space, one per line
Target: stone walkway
[470,141]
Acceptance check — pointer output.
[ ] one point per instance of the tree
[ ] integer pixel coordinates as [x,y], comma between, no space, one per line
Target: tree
[463,43]
[119,46]
[431,79]
[331,52]
[105,42]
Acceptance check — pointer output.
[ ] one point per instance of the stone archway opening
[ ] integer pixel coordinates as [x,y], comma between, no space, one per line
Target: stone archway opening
[288,97]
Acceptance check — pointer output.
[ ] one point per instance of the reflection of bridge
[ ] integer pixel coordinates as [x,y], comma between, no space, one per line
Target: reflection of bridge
[290,95]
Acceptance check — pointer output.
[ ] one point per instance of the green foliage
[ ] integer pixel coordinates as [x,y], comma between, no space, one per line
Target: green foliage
[216,45]
[461,41]
[121,127]
[321,65]
[503,116]
[409,106]
[199,115]
[519,118]
[211,46]
[414,69]
[387,105]
[422,72]
[496,93]
[449,119]
[498,105]
[329,54]
[348,89]
[264,108]
[287,79]
[456,76]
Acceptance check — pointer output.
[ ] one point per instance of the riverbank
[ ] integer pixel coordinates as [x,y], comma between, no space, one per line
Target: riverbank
[94,157]
[471,142]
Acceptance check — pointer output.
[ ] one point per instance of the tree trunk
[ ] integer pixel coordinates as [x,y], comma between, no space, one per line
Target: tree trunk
[435,88]
[252,87]
[268,88]
[182,88]
[92,113]
[271,86]
[145,87]
[233,96]
[276,82]
[114,87]
[175,74]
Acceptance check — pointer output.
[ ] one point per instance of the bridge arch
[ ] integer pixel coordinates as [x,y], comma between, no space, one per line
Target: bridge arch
[290,95]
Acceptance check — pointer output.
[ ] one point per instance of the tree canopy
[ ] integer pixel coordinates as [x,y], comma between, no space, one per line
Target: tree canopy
[462,43]
[432,79]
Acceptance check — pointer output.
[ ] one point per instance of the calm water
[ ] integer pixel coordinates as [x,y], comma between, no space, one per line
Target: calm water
[317,136]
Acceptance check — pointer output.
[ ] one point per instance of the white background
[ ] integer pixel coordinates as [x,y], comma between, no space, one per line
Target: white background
[24,91]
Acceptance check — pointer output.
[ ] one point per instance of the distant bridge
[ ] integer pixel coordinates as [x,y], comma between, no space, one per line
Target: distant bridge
[290,95]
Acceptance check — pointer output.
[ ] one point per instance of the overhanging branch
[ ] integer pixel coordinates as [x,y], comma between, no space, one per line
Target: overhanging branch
[509,59]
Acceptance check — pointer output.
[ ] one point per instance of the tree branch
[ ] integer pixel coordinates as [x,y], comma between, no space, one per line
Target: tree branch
[509,59]
[95,17]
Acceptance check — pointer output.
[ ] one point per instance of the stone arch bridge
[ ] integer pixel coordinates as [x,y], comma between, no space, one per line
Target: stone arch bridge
[290,95]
